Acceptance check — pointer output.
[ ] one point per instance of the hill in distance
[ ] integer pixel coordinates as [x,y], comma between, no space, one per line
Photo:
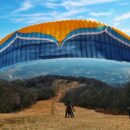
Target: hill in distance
[111,72]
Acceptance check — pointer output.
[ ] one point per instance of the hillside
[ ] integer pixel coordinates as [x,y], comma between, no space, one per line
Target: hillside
[38,117]
[84,92]
[109,71]
[19,94]
[49,115]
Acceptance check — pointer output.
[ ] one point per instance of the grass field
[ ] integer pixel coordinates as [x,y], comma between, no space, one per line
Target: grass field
[39,117]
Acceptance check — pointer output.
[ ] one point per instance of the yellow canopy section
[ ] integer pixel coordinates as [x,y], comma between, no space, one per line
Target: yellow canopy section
[59,29]
[121,33]
[6,38]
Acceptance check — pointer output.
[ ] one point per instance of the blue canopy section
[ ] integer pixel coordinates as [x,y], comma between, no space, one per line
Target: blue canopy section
[102,42]
[27,35]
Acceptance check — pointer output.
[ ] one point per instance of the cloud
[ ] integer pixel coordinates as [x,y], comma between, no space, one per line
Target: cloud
[31,18]
[122,17]
[69,4]
[52,5]
[116,24]
[98,14]
[126,30]
[26,5]
[93,19]
[79,3]
[48,16]
[55,10]
[59,9]
[124,3]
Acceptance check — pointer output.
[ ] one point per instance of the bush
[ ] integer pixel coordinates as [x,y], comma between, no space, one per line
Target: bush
[20,94]
[114,100]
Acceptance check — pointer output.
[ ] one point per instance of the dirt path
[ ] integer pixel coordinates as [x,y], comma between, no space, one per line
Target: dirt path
[39,117]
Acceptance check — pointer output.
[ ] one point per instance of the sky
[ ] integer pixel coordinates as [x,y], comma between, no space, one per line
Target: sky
[16,14]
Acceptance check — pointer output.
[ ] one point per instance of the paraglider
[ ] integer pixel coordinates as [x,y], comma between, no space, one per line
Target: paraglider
[65,39]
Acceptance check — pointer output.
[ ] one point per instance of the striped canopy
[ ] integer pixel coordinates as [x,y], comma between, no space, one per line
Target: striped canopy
[62,39]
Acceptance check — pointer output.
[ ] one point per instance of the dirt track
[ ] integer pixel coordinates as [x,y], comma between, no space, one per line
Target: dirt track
[39,117]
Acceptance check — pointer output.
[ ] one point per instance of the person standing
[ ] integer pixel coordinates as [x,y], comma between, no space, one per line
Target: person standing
[69,112]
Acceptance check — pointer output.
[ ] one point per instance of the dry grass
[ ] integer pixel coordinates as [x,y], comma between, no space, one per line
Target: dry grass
[49,115]
[39,117]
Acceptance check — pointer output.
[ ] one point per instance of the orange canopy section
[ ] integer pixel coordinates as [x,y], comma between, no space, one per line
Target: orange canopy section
[6,38]
[59,29]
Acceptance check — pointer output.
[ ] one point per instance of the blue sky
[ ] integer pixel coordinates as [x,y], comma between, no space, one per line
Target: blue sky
[15,14]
